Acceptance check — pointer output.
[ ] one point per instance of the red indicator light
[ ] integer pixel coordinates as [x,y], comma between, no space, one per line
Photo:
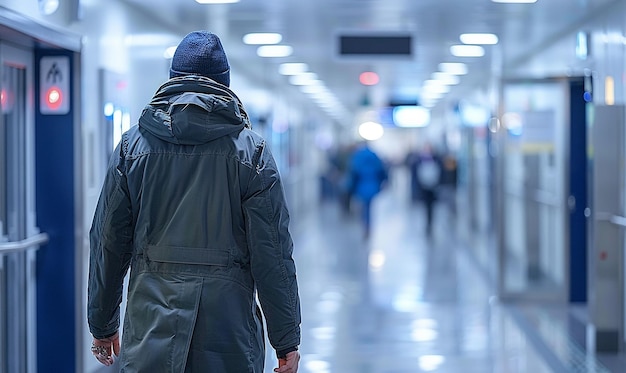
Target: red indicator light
[54,98]
[369,78]
[7,101]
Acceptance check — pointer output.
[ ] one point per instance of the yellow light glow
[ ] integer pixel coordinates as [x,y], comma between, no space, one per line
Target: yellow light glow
[609,90]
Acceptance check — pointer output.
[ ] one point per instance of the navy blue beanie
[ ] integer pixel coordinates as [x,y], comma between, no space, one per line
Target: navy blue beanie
[201,53]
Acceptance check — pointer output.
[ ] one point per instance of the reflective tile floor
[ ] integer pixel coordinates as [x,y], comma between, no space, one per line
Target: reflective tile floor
[400,302]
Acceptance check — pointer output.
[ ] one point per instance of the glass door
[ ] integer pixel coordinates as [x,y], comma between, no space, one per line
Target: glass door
[532,180]
[19,237]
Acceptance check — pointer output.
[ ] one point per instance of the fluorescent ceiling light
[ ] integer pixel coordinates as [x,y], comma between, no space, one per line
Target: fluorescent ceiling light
[446,78]
[467,50]
[515,1]
[304,79]
[217,1]
[274,51]
[293,68]
[456,68]
[324,96]
[479,39]
[474,115]
[314,88]
[437,87]
[371,131]
[434,91]
[411,116]
[433,83]
[262,38]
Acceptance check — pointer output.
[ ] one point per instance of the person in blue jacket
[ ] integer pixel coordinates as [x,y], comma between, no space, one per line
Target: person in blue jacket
[368,173]
[193,204]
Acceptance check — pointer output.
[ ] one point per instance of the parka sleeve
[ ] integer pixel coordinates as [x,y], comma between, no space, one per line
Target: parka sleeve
[111,237]
[271,249]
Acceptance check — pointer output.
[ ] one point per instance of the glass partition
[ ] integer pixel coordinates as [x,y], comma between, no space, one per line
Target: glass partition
[17,293]
[533,173]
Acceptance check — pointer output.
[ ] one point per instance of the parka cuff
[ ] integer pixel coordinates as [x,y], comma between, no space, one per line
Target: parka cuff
[283,353]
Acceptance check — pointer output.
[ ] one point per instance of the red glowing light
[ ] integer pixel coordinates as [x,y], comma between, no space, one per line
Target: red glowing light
[369,78]
[54,98]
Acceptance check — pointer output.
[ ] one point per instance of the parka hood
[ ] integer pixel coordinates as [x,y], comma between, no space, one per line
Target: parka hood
[193,110]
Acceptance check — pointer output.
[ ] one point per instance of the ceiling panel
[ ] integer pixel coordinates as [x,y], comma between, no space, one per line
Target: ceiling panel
[311,27]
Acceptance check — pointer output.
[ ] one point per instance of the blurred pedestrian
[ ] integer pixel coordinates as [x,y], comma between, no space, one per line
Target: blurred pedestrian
[193,203]
[410,161]
[428,179]
[341,161]
[368,174]
[448,184]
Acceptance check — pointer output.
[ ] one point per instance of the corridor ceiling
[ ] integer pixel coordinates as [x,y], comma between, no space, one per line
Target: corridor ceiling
[312,29]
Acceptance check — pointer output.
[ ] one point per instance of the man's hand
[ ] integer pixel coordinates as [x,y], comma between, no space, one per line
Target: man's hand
[102,348]
[289,364]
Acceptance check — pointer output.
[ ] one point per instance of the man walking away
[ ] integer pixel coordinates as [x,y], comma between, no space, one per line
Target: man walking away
[193,203]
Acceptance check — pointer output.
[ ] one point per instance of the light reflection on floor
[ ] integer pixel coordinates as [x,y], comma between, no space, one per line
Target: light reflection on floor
[399,302]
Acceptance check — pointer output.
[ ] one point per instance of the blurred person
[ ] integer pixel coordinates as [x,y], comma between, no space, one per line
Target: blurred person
[368,174]
[410,161]
[328,191]
[448,184]
[428,173]
[193,203]
[341,163]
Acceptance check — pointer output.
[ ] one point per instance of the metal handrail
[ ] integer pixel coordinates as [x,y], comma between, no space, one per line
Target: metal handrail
[36,240]
[618,220]
[611,218]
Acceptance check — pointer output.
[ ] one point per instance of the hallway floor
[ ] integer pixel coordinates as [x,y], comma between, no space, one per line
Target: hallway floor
[400,302]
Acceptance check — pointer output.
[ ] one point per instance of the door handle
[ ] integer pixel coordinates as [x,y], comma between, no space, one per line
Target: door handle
[13,246]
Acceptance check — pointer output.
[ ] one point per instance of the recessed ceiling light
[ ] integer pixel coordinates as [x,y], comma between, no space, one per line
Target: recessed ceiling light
[456,68]
[467,50]
[371,131]
[274,51]
[293,68]
[304,79]
[262,38]
[479,39]
[314,88]
[435,86]
[411,116]
[446,78]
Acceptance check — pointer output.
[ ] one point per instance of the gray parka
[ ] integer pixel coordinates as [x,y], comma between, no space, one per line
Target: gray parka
[193,203]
